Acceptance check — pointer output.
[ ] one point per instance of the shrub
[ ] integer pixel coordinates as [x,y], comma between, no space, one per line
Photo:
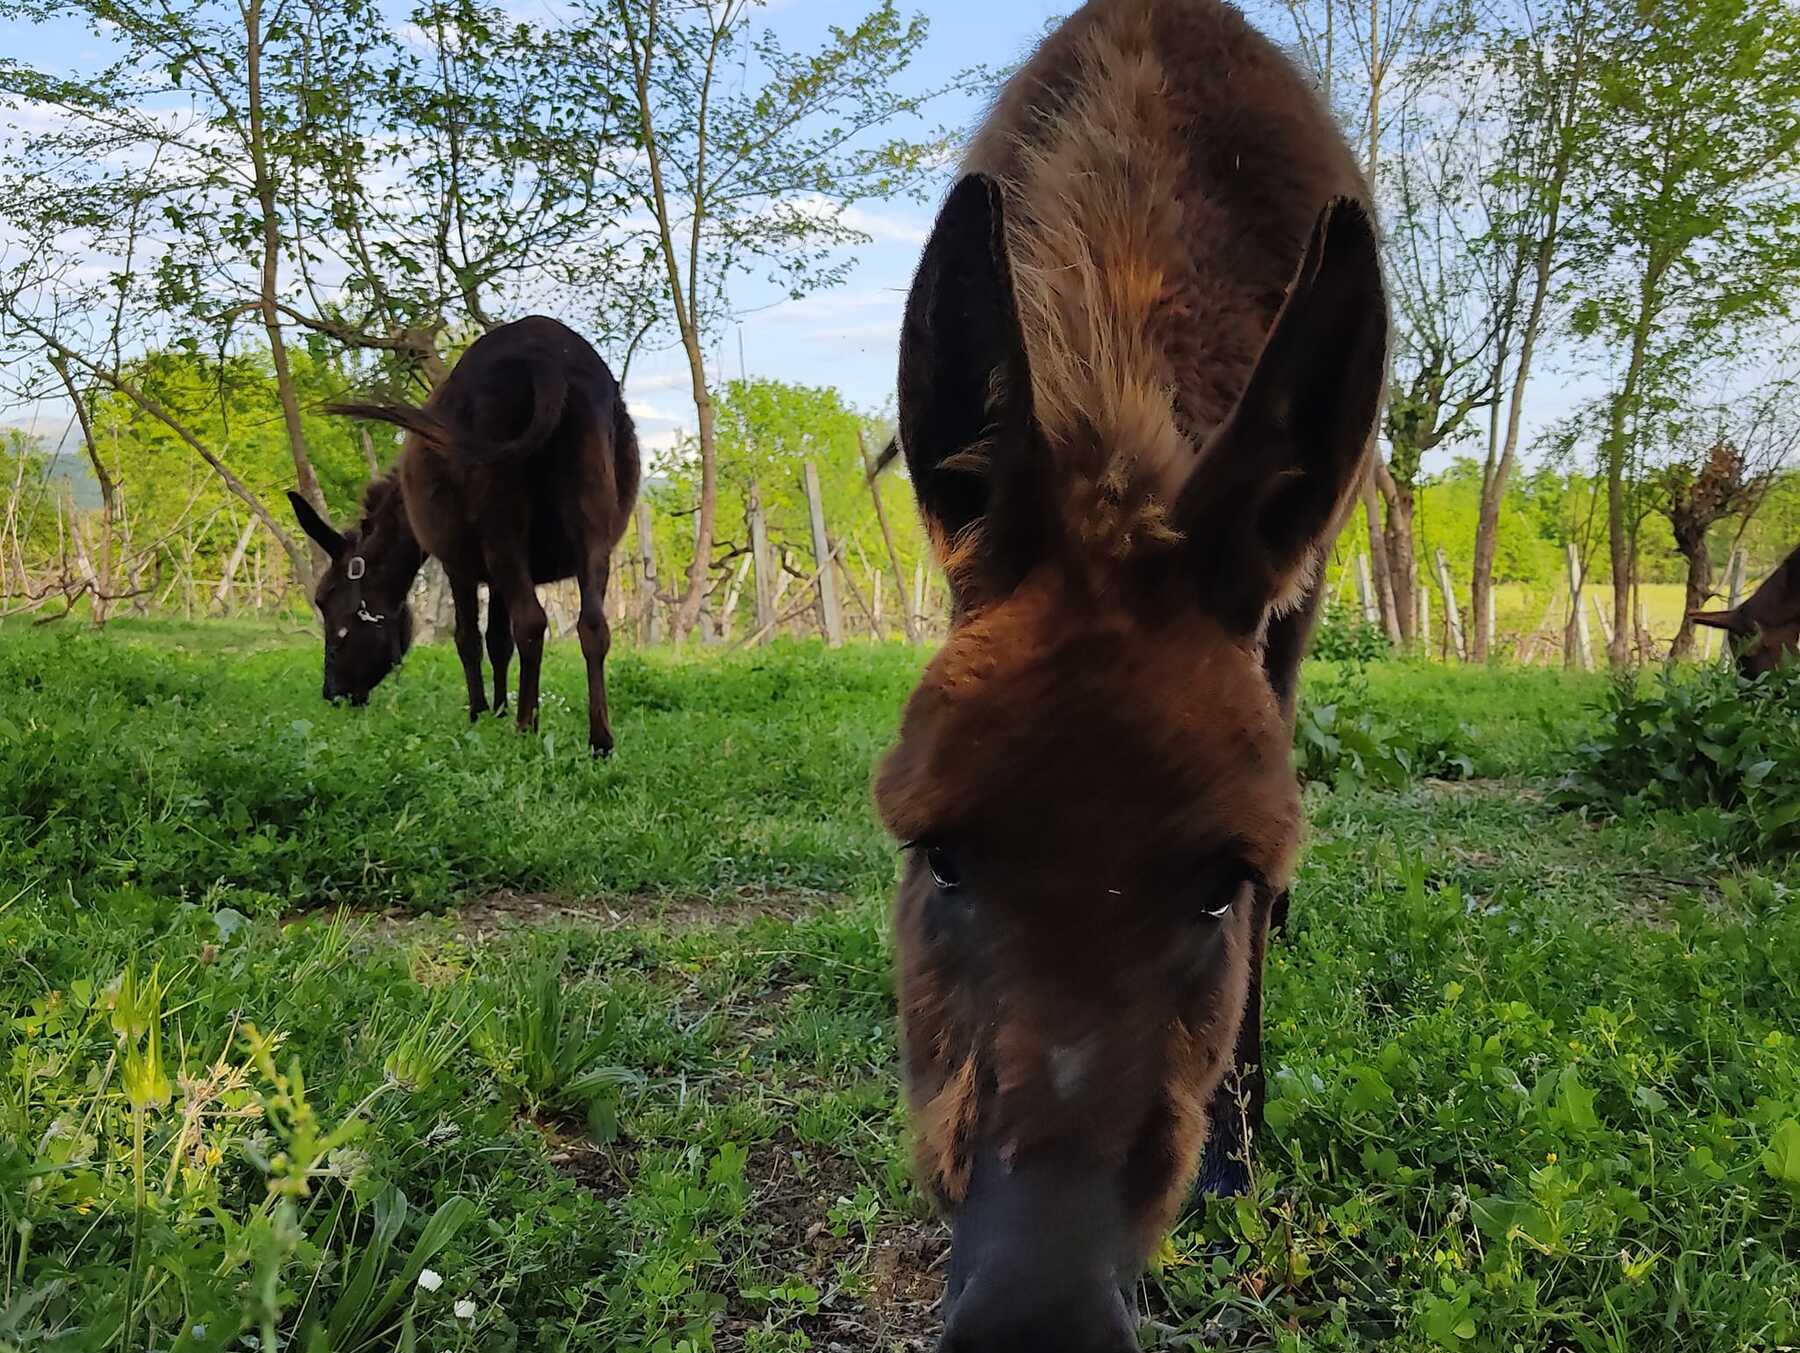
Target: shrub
[1343,635]
[1699,739]
[1338,736]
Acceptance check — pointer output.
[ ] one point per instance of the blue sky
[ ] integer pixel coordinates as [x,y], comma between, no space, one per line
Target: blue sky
[845,336]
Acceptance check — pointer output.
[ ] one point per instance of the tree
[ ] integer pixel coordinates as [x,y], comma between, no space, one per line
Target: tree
[1366,54]
[1690,225]
[380,195]
[1722,461]
[759,179]
[767,430]
[1543,66]
[1451,320]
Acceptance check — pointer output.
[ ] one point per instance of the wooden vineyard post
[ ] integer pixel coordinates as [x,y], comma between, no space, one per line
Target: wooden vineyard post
[1606,629]
[729,614]
[1424,631]
[1453,630]
[760,562]
[887,536]
[652,627]
[1577,634]
[918,595]
[831,614]
[1365,591]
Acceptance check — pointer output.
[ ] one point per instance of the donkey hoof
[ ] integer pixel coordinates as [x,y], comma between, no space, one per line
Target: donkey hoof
[602,750]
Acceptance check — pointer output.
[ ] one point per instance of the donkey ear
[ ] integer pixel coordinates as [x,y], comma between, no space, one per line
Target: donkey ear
[966,421]
[1273,481]
[316,526]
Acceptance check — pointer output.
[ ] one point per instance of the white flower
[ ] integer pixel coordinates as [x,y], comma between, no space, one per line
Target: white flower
[465,1309]
[431,1280]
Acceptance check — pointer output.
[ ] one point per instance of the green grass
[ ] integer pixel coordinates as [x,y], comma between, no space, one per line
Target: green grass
[1535,1074]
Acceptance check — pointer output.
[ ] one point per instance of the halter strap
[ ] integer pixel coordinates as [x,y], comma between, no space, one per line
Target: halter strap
[354,571]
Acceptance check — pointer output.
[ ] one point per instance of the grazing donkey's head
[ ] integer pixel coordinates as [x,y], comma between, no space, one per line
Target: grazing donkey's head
[1765,630]
[1093,780]
[362,595]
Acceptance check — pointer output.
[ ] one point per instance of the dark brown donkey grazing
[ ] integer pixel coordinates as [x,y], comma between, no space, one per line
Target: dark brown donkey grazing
[1139,371]
[1765,630]
[521,469]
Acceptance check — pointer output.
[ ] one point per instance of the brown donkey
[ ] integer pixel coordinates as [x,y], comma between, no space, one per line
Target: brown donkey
[1139,371]
[1766,629]
[521,469]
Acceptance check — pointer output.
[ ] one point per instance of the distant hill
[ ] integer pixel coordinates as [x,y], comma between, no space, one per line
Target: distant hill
[67,462]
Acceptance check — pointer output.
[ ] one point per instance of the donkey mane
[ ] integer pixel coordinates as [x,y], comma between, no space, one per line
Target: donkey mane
[1142,300]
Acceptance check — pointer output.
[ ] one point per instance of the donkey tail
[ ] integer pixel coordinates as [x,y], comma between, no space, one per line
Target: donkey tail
[415,420]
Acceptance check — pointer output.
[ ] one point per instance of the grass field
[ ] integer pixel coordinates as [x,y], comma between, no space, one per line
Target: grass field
[356,1030]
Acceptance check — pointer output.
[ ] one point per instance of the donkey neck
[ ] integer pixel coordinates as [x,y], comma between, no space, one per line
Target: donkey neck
[402,556]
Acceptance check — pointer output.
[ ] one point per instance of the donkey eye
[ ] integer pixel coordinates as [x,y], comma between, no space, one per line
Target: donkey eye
[1241,895]
[942,865]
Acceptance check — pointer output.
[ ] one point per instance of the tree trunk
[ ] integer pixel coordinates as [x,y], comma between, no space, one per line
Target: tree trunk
[269,292]
[1384,591]
[1699,590]
[1618,538]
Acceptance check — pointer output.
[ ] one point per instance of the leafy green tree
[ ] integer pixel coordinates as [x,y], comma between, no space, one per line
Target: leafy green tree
[767,430]
[1690,223]
[759,178]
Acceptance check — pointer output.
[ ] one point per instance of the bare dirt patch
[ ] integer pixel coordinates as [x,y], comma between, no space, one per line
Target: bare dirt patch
[879,1290]
[483,918]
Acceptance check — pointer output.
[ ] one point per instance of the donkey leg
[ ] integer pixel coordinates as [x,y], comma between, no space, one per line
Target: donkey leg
[1235,1116]
[596,639]
[499,645]
[512,577]
[468,641]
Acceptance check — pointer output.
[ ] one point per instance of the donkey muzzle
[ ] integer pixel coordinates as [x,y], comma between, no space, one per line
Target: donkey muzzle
[1036,1263]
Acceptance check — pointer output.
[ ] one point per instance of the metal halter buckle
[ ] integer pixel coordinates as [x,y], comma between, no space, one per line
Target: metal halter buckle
[358,566]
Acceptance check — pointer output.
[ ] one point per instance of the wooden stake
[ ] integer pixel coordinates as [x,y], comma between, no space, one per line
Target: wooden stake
[1583,654]
[887,535]
[1452,616]
[1365,591]
[831,615]
[652,623]
[760,558]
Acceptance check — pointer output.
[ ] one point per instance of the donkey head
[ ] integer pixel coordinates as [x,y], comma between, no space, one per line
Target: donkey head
[361,597]
[1093,779]
[1765,630]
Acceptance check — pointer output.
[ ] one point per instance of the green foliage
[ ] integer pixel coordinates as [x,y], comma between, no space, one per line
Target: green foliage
[638,1091]
[1338,736]
[1345,635]
[1704,739]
